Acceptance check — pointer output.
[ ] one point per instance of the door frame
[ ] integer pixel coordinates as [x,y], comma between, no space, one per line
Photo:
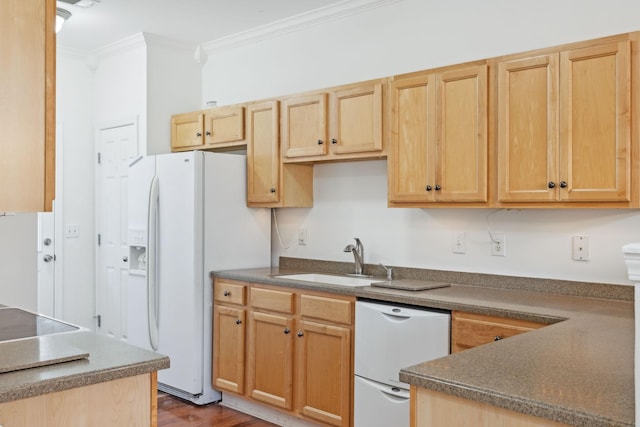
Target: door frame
[104,125]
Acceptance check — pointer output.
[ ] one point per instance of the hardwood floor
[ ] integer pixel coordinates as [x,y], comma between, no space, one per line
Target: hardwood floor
[174,412]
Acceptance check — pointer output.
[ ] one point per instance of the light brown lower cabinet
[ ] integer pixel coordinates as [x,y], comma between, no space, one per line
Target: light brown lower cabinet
[434,409]
[130,401]
[296,355]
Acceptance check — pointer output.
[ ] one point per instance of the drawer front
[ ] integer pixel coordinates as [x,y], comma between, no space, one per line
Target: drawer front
[232,293]
[333,310]
[268,299]
[472,332]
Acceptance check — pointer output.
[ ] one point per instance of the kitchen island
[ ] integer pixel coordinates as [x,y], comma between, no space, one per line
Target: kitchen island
[578,370]
[114,385]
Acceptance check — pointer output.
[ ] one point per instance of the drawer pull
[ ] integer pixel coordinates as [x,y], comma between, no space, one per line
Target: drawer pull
[497,338]
[227,293]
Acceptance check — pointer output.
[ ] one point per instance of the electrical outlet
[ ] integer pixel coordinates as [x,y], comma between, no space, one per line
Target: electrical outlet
[581,250]
[498,245]
[71,230]
[302,236]
[459,242]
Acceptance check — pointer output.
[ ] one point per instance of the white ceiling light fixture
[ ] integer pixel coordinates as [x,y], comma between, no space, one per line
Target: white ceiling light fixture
[61,17]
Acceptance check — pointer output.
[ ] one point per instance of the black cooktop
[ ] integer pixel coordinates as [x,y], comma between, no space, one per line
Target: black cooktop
[16,323]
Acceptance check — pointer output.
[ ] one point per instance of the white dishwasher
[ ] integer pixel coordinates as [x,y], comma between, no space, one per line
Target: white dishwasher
[388,338]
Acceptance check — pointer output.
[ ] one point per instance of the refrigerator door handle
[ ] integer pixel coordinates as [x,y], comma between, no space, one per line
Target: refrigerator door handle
[152,285]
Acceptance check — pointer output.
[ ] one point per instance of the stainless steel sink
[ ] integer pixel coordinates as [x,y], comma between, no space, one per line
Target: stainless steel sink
[329,279]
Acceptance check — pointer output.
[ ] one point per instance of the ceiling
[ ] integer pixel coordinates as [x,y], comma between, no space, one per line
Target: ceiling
[196,21]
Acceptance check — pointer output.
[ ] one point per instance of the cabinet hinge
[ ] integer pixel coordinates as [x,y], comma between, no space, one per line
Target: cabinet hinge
[99,158]
[99,239]
[99,319]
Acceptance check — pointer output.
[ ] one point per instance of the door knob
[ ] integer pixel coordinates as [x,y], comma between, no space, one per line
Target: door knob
[48,258]
[46,242]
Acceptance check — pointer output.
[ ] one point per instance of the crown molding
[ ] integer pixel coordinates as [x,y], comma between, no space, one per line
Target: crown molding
[128,43]
[295,23]
[167,43]
[70,52]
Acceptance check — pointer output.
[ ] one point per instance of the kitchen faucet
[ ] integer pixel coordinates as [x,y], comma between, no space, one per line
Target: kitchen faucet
[358,255]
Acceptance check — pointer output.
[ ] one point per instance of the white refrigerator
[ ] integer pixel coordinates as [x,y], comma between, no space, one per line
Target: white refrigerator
[187,216]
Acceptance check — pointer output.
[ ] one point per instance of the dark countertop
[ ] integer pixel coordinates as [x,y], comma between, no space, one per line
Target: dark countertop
[579,370]
[109,359]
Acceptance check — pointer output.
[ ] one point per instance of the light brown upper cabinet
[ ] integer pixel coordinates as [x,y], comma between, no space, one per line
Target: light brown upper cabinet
[438,143]
[209,129]
[564,128]
[346,123]
[269,182]
[27,90]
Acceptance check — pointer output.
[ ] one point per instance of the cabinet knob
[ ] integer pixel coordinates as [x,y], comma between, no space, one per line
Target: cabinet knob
[428,188]
[438,188]
[272,190]
[286,330]
[300,334]
[238,321]
[208,133]
[334,141]
[497,338]
[227,293]
[198,133]
[320,142]
[125,258]
[563,184]
[551,184]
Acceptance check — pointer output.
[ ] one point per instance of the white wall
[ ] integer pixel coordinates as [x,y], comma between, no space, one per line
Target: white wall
[350,198]
[174,85]
[120,85]
[74,110]
[18,261]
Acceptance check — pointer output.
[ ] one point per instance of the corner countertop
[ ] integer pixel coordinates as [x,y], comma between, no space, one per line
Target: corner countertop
[109,359]
[578,370]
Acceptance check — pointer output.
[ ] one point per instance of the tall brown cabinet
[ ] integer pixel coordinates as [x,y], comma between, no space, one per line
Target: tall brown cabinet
[27,105]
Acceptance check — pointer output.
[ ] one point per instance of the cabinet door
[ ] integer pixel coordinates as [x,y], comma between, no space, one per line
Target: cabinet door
[412,138]
[528,129]
[470,330]
[186,131]
[223,125]
[228,348]
[356,120]
[270,364]
[304,126]
[461,149]
[27,93]
[324,373]
[595,123]
[263,153]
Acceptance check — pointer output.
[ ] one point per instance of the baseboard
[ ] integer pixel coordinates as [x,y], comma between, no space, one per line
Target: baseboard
[263,412]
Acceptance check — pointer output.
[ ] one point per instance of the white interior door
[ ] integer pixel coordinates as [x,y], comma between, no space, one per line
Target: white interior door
[46,263]
[117,146]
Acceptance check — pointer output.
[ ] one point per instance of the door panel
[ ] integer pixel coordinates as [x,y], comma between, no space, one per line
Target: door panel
[179,269]
[595,114]
[412,138]
[461,149]
[228,344]
[118,146]
[528,129]
[186,130]
[324,375]
[263,153]
[304,126]
[270,365]
[357,120]
[224,124]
